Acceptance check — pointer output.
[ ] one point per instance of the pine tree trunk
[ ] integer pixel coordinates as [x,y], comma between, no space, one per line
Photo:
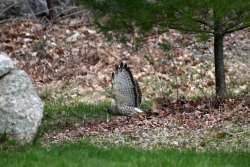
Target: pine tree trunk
[219,62]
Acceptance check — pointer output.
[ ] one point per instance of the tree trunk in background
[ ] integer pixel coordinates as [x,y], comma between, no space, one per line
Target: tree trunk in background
[51,10]
[219,61]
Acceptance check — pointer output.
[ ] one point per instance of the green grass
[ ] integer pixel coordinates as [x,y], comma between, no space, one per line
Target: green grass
[82,154]
[58,115]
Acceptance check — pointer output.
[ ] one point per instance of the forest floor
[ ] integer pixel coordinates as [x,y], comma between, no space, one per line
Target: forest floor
[71,62]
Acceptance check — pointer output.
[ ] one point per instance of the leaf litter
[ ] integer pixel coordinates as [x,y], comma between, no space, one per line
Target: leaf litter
[201,125]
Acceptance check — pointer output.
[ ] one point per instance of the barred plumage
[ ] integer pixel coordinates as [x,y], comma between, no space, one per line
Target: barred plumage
[126,92]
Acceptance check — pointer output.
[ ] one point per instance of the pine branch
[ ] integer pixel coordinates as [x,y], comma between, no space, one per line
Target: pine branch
[203,23]
[237,28]
[236,21]
[191,30]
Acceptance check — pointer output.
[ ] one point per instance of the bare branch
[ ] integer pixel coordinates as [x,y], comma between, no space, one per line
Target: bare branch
[6,9]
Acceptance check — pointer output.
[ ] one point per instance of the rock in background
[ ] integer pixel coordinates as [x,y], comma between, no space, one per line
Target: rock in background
[22,8]
[6,64]
[21,109]
[32,8]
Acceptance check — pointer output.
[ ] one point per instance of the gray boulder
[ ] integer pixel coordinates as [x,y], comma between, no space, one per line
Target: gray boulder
[21,109]
[6,64]
[32,8]
[23,8]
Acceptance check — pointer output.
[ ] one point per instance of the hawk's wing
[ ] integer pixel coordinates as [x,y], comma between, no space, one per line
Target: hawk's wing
[125,89]
[138,91]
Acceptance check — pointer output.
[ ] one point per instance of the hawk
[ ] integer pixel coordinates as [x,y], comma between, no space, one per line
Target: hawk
[125,91]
